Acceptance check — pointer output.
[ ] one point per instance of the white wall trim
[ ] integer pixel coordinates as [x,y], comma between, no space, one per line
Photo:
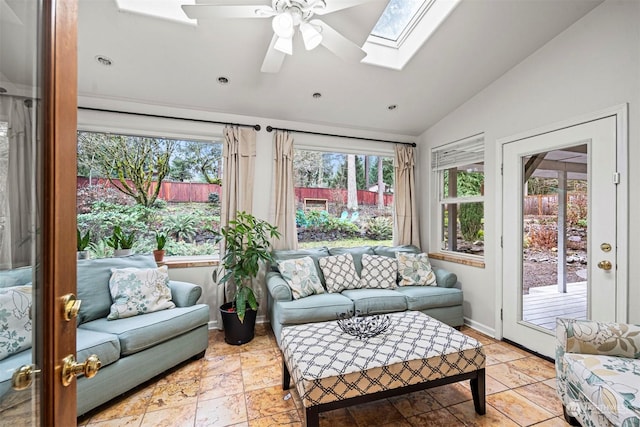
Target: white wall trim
[622,158]
[480,327]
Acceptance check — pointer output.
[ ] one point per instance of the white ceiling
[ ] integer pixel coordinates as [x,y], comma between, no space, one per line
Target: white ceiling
[162,62]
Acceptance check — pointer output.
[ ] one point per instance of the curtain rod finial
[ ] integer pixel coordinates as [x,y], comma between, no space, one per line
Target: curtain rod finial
[269,129]
[257,127]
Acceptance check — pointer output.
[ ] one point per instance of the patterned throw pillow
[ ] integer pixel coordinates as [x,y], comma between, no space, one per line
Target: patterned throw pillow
[339,273]
[138,291]
[15,320]
[379,271]
[415,270]
[300,274]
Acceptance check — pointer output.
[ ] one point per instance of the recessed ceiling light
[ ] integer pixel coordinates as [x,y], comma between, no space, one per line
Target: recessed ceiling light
[103,60]
[223,80]
[392,107]
[317,95]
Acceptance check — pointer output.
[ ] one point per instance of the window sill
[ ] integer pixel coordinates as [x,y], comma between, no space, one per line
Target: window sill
[191,261]
[457,259]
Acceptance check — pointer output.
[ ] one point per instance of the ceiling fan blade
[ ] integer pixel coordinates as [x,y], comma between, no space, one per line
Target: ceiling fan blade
[273,59]
[208,11]
[335,5]
[339,44]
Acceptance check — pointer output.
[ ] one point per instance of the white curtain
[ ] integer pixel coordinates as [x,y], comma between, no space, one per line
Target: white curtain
[18,207]
[404,200]
[283,201]
[238,157]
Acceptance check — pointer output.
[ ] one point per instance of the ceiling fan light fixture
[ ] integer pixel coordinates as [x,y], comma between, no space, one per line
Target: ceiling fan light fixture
[284,45]
[310,35]
[283,25]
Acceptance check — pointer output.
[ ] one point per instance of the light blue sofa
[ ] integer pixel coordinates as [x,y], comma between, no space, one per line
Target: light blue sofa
[134,349]
[442,302]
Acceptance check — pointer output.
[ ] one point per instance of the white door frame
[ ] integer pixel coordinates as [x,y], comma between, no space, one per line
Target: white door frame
[622,161]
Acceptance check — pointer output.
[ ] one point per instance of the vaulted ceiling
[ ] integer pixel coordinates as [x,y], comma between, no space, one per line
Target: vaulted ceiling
[166,63]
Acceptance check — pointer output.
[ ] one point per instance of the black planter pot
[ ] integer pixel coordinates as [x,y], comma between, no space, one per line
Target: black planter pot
[236,332]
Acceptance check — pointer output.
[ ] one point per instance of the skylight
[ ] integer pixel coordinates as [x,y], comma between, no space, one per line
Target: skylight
[165,9]
[405,25]
[396,18]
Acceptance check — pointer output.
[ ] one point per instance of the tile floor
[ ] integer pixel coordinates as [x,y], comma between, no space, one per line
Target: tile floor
[241,386]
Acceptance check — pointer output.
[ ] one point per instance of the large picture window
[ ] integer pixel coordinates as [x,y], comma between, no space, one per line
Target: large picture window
[148,185]
[459,175]
[343,199]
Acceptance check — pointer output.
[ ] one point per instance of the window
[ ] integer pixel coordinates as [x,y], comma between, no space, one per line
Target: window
[146,185]
[343,199]
[396,18]
[459,175]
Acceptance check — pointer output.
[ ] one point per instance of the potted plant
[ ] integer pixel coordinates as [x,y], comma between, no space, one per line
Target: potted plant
[161,241]
[246,246]
[83,242]
[121,242]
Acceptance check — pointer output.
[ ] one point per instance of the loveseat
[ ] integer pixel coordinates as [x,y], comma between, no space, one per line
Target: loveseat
[598,372]
[442,300]
[133,349]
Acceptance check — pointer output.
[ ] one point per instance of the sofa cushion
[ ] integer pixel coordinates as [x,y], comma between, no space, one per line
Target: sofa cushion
[300,275]
[356,253]
[93,283]
[340,273]
[137,291]
[425,297]
[390,251]
[415,269]
[378,272]
[608,382]
[314,253]
[16,277]
[314,308]
[376,301]
[105,346]
[141,332]
[15,320]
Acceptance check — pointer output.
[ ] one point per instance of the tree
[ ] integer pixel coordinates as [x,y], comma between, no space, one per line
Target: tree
[352,191]
[133,164]
[310,168]
[88,143]
[180,170]
[205,159]
[380,184]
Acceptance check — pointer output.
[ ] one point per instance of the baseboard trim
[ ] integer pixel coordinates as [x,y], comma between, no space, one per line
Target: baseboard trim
[480,327]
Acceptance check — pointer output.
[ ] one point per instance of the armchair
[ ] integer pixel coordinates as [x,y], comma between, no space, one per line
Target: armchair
[598,372]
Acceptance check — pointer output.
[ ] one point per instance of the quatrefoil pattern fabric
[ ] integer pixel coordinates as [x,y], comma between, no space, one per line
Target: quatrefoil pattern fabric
[339,273]
[379,272]
[327,364]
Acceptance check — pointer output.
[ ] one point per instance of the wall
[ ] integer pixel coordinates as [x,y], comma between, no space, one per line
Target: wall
[591,66]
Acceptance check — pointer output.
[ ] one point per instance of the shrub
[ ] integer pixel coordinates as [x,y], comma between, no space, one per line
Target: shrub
[470,215]
[301,218]
[182,227]
[380,228]
[343,226]
[543,236]
[213,198]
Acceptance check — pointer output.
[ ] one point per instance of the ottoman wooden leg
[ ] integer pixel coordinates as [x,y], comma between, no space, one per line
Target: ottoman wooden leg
[311,417]
[478,392]
[286,377]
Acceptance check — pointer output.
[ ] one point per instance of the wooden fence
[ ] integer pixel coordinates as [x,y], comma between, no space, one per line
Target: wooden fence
[172,191]
[547,204]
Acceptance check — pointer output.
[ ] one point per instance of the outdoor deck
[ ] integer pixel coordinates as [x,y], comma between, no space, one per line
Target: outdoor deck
[543,304]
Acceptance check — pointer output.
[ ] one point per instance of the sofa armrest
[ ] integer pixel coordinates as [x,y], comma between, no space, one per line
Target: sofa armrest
[600,338]
[184,294]
[445,278]
[278,288]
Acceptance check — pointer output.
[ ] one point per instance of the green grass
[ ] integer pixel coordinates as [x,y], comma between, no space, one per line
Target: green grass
[347,243]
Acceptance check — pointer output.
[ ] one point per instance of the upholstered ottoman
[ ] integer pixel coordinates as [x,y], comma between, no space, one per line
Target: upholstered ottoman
[332,369]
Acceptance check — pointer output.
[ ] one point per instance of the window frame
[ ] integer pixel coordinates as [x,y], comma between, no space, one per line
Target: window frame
[472,143]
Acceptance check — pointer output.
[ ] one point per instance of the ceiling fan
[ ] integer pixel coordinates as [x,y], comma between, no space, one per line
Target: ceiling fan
[287,15]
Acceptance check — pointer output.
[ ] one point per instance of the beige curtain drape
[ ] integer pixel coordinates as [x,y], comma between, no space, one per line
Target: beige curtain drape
[406,222]
[283,202]
[238,157]
[18,211]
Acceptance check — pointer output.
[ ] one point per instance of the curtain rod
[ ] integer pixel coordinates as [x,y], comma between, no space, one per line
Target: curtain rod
[256,127]
[271,128]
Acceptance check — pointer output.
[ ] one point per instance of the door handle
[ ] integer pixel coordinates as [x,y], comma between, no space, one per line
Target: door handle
[605,265]
[71,306]
[22,378]
[71,368]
